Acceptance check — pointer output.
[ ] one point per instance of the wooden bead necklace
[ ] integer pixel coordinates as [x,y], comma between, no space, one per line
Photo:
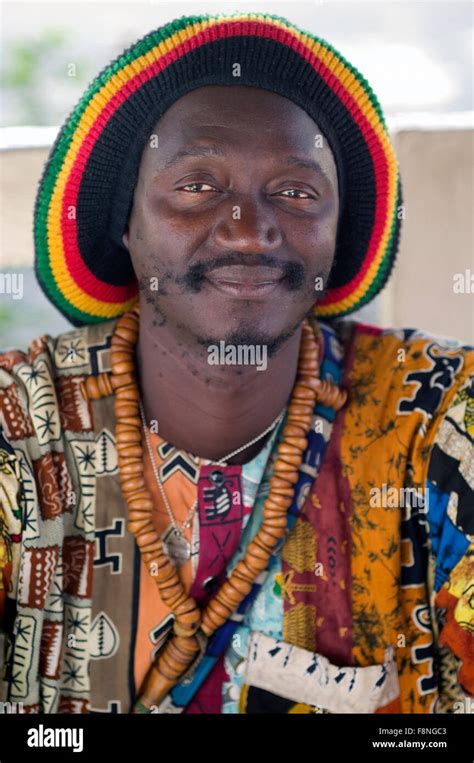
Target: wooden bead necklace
[177,542]
[192,626]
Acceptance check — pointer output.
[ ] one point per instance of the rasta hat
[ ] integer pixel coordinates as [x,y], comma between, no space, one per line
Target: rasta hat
[85,194]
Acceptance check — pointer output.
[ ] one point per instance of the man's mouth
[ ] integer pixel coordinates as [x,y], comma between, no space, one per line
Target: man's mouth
[245,281]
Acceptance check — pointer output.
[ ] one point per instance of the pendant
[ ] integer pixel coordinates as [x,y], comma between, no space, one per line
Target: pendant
[176,546]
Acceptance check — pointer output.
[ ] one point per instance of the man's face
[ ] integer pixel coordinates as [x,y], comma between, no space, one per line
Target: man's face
[235,213]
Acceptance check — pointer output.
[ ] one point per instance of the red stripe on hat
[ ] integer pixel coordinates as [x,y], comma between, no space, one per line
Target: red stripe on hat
[79,271]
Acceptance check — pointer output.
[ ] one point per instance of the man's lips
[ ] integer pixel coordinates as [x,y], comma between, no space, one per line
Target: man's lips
[245,280]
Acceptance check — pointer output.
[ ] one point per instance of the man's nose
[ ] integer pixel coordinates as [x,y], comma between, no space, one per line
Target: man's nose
[247,225]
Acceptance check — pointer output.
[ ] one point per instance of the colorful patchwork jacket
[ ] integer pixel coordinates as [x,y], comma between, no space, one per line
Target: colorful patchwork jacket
[368,604]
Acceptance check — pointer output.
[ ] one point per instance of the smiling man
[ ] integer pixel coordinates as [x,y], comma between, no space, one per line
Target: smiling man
[219,494]
[237,237]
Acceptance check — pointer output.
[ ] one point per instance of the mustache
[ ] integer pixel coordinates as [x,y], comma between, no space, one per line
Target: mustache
[294,273]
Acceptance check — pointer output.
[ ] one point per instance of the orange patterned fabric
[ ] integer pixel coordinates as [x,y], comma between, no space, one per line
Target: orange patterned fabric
[181,493]
[383,525]
[392,576]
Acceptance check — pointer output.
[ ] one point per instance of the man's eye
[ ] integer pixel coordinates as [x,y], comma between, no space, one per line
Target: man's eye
[293,191]
[195,186]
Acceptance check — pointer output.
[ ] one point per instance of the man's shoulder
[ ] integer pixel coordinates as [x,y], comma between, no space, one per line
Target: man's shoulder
[40,388]
[434,355]
[407,370]
[408,343]
[78,351]
[349,327]
[420,335]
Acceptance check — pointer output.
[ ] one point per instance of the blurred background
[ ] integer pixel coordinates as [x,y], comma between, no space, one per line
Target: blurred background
[417,56]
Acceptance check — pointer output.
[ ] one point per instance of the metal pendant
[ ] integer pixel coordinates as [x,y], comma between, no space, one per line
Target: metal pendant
[176,546]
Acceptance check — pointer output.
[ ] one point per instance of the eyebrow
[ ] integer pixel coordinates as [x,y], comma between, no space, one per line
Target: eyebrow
[195,151]
[307,164]
[212,150]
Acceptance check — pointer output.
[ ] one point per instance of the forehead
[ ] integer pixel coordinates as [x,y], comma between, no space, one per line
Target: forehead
[242,118]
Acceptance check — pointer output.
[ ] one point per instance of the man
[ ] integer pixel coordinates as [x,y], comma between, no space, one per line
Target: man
[236,174]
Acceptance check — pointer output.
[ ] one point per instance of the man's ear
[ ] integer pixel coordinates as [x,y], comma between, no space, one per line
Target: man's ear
[126,238]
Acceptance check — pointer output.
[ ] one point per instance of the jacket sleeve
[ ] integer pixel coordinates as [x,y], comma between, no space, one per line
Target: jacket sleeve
[11,524]
[451,526]
[10,520]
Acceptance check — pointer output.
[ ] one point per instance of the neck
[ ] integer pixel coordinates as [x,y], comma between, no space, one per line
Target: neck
[209,410]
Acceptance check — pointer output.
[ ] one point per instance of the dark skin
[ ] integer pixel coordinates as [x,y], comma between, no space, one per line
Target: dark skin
[236,239]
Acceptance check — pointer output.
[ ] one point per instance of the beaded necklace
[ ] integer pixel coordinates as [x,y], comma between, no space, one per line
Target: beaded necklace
[193,627]
[177,546]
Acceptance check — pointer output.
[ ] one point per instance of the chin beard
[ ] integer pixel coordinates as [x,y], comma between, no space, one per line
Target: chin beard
[246,336]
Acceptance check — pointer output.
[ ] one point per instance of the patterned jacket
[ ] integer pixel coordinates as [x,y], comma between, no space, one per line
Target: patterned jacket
[368,607]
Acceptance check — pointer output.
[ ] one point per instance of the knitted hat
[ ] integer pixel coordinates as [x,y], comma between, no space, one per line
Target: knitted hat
[85,194]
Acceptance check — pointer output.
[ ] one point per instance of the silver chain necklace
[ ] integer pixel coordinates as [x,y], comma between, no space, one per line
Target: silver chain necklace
[177,546]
